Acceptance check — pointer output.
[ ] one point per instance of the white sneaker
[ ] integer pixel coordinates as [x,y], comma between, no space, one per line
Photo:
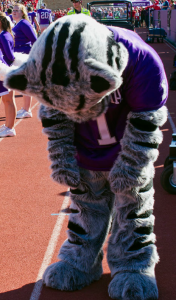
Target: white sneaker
[22,113]
[5,131]
[2,127]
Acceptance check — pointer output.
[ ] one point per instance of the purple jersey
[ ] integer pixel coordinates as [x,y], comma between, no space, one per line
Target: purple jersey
[31,16]
[6,54]
[44,16]
[10,16]
[7,48]
[24,36]
[144,88]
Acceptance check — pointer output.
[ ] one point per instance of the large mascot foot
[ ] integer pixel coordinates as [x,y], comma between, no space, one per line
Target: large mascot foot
[63,276]
[133,286]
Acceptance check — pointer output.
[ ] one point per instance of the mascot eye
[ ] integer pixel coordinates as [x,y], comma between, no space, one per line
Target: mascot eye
[99,84]
[18,82]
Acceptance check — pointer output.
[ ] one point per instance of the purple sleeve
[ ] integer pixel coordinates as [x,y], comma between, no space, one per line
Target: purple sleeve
[145,85]
[7,49]
[147,88]
[28,31]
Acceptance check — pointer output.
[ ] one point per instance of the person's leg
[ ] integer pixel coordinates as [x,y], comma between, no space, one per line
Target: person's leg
[25,112]
[27,102]
[43,27]
[10,109]
[81,254]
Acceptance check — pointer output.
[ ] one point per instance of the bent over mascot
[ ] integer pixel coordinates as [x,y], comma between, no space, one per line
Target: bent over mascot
[102,92]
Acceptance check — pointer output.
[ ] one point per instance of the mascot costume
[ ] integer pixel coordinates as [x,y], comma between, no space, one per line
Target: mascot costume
[102,92]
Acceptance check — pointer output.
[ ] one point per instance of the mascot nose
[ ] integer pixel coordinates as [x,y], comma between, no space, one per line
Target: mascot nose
[18,82]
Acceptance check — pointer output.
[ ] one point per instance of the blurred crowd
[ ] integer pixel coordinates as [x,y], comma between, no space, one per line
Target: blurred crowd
[56,14]
[100,12]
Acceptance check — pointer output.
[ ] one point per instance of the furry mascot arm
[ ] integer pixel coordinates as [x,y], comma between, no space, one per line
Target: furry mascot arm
[60,132]
[134,165]
[20,58]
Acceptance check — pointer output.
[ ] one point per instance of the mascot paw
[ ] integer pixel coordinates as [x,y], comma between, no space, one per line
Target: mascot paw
[64,277]
[66,177]
[133,286]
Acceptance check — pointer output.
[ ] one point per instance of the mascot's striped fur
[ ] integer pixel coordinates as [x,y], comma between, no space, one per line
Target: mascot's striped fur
[72,75]
[80,78]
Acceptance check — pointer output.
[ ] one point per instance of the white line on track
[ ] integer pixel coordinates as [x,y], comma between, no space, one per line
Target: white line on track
[171,123]
[50,250]
[19,121]
[170,46]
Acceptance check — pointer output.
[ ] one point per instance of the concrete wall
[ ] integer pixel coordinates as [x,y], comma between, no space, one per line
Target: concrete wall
[61,4]
[164,16]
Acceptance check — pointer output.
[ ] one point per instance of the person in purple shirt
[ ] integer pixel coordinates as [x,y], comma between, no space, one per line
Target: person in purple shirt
[32,17]
[9,17]
[103,92]
[44,17]
[25,37]
[7,57]
[9,13]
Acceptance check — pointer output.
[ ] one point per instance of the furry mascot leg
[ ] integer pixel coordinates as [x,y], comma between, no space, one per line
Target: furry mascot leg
[81,255]
[132,255]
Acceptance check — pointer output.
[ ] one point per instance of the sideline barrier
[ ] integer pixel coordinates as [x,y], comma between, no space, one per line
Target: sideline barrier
[167,18]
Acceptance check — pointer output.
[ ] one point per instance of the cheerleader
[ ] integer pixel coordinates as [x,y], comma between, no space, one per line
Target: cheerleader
[7,57]
[25,37]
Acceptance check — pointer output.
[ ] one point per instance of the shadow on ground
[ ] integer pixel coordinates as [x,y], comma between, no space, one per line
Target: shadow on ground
[98,289]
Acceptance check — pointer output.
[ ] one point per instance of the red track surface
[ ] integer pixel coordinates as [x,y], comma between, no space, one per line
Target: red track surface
[29,197]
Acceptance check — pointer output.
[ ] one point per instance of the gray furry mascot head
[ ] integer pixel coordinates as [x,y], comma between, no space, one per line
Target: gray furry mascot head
[70,71]
[73,69]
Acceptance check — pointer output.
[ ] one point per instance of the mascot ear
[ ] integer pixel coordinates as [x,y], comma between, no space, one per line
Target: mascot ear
[102,77]
[16,79]
[17,82]
[20,78]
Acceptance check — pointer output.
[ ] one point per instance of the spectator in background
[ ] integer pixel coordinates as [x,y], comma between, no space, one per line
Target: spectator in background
[147,17]
[165,5]
[77,8]
[7,57]
[142,16]
[58,14]
[9,17]
[172,4]
[133,15]
[137,17]
[32,18]
[99,14]
[44,17]
[34,4]
[25,37]
[9,13]
[109,16]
